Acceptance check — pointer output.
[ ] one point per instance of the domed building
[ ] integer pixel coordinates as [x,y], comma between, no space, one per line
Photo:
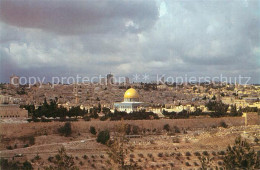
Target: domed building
[130,103]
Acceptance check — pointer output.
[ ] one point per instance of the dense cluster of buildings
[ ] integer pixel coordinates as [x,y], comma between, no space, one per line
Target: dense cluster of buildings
[150,97]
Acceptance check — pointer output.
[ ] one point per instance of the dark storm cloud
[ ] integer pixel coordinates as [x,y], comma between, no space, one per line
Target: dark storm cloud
[126,37]
[76,17]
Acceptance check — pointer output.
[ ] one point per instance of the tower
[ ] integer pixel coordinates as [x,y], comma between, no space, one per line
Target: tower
[110,79]
[75,91]
[15,80]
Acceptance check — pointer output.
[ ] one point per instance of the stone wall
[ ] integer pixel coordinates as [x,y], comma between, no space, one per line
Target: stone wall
[81,126]
[12,111]
[251,118]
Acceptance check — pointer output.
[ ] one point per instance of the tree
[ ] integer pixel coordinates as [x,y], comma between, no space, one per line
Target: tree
[166,127]
[120,147]
[99,107]
[103,137]
[219,109]
[93,130]
[62,161]
[206,162]
[65,130]
[27,166]
[241,156]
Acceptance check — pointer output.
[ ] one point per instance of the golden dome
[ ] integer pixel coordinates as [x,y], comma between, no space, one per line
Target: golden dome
[131,94]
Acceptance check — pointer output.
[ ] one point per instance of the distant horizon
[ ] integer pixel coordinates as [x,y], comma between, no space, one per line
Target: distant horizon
[137,78]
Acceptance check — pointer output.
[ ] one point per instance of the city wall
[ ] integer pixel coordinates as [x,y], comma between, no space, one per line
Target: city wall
[16,130]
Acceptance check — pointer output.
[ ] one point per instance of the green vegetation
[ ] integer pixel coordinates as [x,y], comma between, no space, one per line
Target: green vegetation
[65,130]
[166,127]
[131,129]
[52,110]
[12,165]
[223,124]
[119,148]
[103,137]
[235,112]
[62,161]
[93,130]
[241,156]
[139,115]
[219,109]
[238,156]
[250,109]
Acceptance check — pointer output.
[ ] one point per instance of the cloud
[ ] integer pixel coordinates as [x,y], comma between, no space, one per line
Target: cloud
[128,37]
[78,17]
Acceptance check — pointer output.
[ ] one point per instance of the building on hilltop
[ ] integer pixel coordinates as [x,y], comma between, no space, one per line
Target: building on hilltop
[12,111]
[131,102]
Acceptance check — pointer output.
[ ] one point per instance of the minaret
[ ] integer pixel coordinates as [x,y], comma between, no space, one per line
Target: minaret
[76,94]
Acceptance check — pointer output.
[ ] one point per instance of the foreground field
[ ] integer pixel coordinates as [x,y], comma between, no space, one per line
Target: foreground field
[154,148]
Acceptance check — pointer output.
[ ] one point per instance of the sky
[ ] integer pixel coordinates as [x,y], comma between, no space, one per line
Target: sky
[127,37]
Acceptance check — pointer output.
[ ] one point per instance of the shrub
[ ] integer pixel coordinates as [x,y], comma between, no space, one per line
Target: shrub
[223,124]
[220,163]
[135,130]
[196,164]
[26,145]
[178,154]
[93,130]
[166,127]
[160,154]
[85,157]
[27,165]
[150,155]
[65,130]
[103,137]
[86,118]
[197,154]
[50,159]
[37,157]
[188,154]
[9,147]
[132,155]
[31,140]
[205,153]
[241,156]
[103,118]
[140,155]
[187,164]
[213,126]
[176,129]
[221,153]
[256,140]
[176,140]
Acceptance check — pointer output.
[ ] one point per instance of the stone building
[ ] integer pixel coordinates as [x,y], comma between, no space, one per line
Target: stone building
[130,103]
[12,111]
